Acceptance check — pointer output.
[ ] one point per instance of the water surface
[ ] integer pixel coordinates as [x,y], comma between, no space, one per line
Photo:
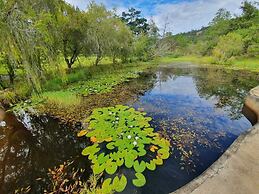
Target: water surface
[198,108]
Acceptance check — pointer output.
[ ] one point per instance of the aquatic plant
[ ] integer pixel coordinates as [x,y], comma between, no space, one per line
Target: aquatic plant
[123,139]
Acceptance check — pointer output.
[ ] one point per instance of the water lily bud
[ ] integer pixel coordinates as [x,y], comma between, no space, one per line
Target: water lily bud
[131,126]
[129,136]
[135,143]
[2,124]
[110,113]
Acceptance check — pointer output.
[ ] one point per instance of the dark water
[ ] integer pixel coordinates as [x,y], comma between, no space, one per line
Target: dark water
[199,109]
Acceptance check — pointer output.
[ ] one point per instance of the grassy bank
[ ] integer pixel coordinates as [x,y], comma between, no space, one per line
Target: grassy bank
[70,95]
[251,64]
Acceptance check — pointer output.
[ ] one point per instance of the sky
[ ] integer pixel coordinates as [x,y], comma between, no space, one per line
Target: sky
[179,15]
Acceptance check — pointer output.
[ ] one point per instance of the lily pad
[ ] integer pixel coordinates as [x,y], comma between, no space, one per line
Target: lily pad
[151,165]
[111,167]
[119,184]
[140,181]
[139,167]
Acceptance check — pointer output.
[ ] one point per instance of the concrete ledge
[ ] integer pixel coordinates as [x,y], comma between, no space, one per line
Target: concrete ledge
[237,170]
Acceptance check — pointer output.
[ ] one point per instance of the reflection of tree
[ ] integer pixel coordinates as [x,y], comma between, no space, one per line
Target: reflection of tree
[27,154]
[227,87]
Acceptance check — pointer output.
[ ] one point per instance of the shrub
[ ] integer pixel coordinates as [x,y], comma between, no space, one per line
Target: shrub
[229,46]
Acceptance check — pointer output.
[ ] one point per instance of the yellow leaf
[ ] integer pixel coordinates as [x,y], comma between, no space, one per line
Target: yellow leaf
[93,139]
[82,133]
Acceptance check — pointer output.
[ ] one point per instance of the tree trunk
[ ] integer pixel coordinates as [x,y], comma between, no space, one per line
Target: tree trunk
[98,59]
[2,83]
[114,59]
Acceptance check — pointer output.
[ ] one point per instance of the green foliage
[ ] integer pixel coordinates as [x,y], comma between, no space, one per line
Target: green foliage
[134,20]
[140,181]
[122,138]
[228,46]
[223,31]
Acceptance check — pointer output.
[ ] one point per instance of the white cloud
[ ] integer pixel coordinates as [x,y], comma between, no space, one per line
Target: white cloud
[189,15]
[181,16]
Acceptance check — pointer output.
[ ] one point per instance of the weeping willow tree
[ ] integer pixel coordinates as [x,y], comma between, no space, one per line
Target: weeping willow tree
[26,41]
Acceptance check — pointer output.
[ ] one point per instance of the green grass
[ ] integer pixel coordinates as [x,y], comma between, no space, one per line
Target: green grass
[247,63]
[195,59]
[64,98]
[66,89]
[251,64]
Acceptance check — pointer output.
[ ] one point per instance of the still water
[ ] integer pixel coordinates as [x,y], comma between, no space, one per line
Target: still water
[199,109]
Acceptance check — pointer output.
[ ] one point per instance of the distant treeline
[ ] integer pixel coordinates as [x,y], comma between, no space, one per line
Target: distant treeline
[226,36]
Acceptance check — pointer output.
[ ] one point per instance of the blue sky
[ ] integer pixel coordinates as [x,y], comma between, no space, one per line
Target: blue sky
[181,15]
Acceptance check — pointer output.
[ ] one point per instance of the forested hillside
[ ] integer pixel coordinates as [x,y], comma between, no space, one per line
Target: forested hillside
[227,36]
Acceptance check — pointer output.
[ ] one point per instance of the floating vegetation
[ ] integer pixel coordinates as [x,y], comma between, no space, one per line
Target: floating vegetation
[123,139]
[186,141]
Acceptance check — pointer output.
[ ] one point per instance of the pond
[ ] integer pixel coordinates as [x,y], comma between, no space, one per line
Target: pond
[198,108]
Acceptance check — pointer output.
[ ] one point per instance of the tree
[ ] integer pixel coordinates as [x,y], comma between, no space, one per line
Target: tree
[73,30]
[249,10]
[134,20]
[121,40]
[99,30]
[221,15]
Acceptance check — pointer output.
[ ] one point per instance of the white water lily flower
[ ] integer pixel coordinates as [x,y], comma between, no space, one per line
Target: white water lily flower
[135,143]
[110,113]
[129,136]
[131,126]
[2,124]
[117,118]
[136,138]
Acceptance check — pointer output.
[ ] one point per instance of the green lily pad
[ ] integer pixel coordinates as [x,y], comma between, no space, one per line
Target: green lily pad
[119,184]
[107,187]
[140,181]
[97,169]
[120,161]
[139,167]
[111,167]
[158,161]
[151,165]
[110,146]
[129,161]
[164,154]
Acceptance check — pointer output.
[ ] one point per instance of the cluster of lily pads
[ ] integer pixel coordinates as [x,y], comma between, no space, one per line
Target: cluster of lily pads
[102,84]
[123,139]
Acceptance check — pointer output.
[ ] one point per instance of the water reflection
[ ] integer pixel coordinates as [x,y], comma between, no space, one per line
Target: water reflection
[200,111]
[27,153]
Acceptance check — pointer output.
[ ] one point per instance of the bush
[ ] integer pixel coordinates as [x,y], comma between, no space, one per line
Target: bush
[228,47]
[253,50]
